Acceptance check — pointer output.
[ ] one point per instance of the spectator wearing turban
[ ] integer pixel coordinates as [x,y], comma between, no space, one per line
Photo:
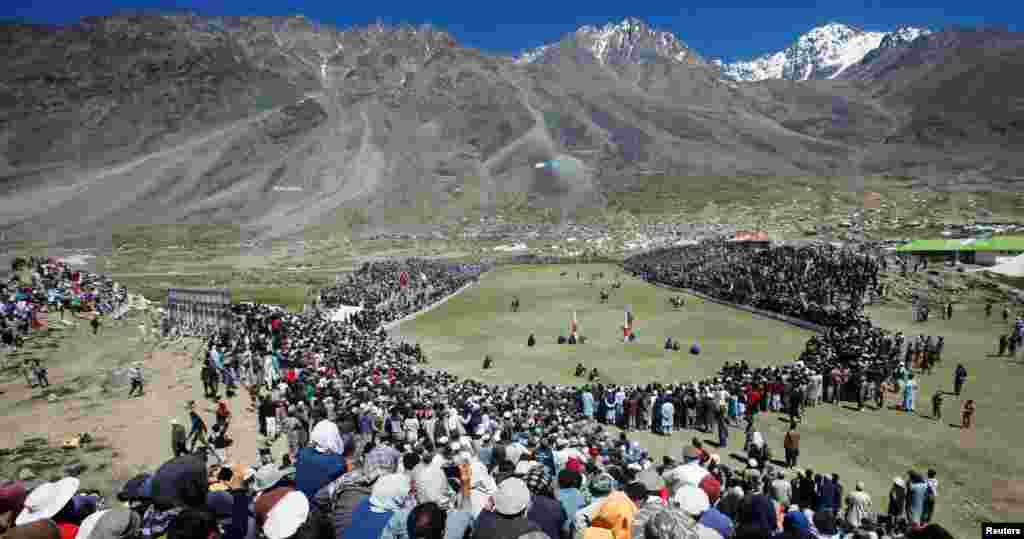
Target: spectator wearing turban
[508,519]
[321,464]
[387,507]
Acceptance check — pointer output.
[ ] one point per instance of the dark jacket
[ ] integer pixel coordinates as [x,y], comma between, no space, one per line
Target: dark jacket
[547,513]
[828,493]
[897,501]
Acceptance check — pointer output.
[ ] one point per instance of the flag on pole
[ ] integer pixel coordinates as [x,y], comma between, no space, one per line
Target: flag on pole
[403,279]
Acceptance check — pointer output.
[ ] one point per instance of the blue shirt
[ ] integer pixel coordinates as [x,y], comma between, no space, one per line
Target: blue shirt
[366,524]
[314,470]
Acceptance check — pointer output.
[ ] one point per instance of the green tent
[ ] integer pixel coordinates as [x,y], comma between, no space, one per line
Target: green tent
[996,243]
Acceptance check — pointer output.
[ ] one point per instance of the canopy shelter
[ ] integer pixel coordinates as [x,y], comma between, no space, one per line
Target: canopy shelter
[1011,268]
[984,251]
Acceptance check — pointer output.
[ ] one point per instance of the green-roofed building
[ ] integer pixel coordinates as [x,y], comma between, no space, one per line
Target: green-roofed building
[981,251]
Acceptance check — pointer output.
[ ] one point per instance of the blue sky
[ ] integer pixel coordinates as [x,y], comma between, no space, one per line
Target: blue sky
[722,30]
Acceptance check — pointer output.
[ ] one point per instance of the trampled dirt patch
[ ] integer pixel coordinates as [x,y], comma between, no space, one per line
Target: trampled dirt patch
[137,428]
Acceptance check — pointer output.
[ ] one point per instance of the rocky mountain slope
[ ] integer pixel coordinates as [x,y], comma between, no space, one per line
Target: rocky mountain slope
[277,123]
[822,53]
[627,42]
[962,91]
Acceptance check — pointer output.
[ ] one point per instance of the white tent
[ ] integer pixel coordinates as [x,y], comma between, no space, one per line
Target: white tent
[1011,268]
[517,247]
[342,313]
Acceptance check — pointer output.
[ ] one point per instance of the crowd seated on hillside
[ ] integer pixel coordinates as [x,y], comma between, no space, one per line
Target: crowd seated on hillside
[822,284]
[390,290]
[378,447]
[39,285]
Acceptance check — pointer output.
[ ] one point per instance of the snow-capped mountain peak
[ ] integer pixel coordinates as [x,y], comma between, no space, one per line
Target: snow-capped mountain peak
[822,53]
[902,36]
[630,40]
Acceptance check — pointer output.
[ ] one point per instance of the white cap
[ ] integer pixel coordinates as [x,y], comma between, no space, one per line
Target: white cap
[512,497]
[692,500]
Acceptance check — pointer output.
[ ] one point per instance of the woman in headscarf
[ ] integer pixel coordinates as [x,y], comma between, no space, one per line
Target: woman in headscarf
[609,407]
[385,513]
[616,514]
[322,462]
[668,415]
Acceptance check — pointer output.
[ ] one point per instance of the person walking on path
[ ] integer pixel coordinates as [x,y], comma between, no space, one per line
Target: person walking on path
[959,377]
[199,431]
[41,374]
[30,374]
[937,406]
[967,416]
[179,439]
[137,380]
[95,323]
[1004,341]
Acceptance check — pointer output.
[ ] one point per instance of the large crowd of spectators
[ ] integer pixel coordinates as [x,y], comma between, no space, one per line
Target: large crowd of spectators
[380,447]
[390,290]
[823,284]
[41,290]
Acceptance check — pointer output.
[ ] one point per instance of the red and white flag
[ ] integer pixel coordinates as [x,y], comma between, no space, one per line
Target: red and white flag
[403,279]
[627,328]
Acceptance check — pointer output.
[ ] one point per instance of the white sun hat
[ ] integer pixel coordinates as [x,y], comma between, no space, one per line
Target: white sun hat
[47,500]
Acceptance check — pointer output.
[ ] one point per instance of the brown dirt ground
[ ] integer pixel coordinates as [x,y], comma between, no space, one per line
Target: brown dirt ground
[138,428]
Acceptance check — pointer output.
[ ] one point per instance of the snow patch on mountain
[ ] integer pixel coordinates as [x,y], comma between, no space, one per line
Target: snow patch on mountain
[822,53]
[766,67]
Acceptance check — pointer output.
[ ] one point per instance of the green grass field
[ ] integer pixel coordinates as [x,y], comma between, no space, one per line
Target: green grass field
[979,470]
[479,322]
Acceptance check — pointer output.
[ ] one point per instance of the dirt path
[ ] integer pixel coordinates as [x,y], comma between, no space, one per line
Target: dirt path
[138,428]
